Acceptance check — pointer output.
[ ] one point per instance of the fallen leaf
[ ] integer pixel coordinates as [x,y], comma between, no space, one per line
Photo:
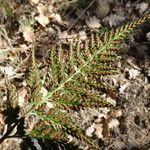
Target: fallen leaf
[50,105]
[102,8]
[70,138]
[114,19]
[114,123]
[133,73]
[64,35]
[123,87]
[93,22]
[148,36]
[82,35]
[142,7]
[43,18]
[105,131]
[90,130]
[111,101]
[35,1]
[21,97]
[8,70]
[116,113]
[56,17]
[28,33]
[99,130]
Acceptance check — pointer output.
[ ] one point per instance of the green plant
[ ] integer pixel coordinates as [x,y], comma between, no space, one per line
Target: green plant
[73,81]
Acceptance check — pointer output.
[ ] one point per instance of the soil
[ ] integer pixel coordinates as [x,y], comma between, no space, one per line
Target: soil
[129,119]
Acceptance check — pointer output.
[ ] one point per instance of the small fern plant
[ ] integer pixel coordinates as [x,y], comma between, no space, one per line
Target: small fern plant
[72,82]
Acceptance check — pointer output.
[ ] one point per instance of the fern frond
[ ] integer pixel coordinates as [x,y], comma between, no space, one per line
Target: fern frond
[74,81]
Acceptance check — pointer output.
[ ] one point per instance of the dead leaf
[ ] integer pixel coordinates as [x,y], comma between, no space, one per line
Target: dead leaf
[82,35]
[64,35]
[90,130]
[111,101]
[21,97]
[35,1]
[116,113]
[114,123]
[8,70]
[43,18]
[123,87]
[114,19]
[56,17]
[50,105]
[105,131]
[93,22]
[142,7]
[133,73]
[28,33]
[99,130]
[148,36]
[102,8]
[43,91]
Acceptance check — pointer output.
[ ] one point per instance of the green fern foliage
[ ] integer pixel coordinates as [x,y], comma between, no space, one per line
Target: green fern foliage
[34,80]
[74,82]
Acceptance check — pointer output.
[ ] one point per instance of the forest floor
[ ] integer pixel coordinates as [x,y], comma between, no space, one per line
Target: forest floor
[46,22]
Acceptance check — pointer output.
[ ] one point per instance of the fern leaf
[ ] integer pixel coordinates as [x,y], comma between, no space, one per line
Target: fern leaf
[74,79]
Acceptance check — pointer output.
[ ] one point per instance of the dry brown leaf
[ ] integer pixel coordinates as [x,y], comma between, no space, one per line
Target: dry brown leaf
[35,1]
[114,19]
[99,130]
[102,8]
[56,17]
[148,36]
[28,33]
[123,87]
[142,7]
[111,101]
[82,35]
[105,131]
[90,130]
[43,18]
[8,70]
[133,73]
[21,97]
[93,22]
[116,113]
[114,123]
